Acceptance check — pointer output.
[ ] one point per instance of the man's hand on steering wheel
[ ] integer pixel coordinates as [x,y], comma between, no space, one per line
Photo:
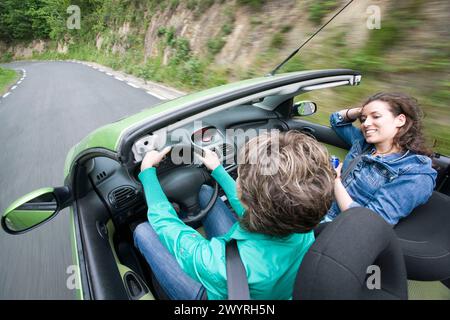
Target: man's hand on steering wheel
[153,158]
[210,159]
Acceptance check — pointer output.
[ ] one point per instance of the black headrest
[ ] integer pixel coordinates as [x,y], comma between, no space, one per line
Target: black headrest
[424,237]
[336,266]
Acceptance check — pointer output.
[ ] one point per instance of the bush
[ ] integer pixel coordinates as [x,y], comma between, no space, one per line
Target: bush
[226,29]
[286,29]
[215,45]
[204,4]
[6,57]
[182,50]
[192,72]
[199,6]
[161,31]
[170,36]
[277,40]
[319,9]
[174,4]
[255,4]
[191,4]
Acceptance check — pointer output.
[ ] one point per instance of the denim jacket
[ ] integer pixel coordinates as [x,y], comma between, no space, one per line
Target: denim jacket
[391,185]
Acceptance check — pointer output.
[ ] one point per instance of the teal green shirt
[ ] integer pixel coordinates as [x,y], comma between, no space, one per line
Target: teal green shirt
[271,262]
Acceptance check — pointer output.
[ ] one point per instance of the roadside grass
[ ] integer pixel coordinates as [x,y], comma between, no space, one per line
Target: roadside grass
[7,77]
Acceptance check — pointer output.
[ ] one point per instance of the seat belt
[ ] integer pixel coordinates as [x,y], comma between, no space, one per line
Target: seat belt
[353,163]
[237,282]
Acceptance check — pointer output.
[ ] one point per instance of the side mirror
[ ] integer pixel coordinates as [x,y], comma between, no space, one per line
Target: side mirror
[304,108]
[34,209]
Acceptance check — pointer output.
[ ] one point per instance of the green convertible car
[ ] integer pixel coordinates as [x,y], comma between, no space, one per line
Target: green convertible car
[106,198]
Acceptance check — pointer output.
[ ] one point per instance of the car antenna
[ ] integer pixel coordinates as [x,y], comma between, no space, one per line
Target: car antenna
[304,43]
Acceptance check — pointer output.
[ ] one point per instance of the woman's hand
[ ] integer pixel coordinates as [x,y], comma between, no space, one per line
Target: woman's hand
[351,114]
[341,195]
[210,159]
[338,171]
[153,158]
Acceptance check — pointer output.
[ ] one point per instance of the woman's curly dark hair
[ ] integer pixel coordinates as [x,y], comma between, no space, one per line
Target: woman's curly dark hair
[410,136]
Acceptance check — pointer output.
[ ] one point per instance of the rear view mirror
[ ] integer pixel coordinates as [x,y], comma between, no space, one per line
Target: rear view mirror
[33,209]
[304,108]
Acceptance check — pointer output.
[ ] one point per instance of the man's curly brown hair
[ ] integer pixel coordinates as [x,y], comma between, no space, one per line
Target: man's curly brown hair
[295,197]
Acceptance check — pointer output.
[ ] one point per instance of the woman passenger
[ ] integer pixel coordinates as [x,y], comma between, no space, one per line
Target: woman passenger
[388,168]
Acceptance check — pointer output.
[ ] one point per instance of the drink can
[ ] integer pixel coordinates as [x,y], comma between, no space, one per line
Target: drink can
[334,161]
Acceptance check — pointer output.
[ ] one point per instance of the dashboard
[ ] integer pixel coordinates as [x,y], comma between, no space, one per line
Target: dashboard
[224,133]
[187,142]
[119,187]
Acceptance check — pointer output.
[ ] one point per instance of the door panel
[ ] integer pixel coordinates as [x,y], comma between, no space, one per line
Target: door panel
[324,134]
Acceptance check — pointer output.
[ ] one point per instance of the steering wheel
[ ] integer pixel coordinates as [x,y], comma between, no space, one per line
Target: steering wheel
[182,186]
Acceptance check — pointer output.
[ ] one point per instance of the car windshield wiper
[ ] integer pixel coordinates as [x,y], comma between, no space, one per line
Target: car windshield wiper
[304,43]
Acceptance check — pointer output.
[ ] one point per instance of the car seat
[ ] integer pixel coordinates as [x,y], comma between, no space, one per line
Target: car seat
[425,240]
[339,263]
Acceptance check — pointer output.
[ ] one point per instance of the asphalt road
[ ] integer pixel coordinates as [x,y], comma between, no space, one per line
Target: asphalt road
[56,105]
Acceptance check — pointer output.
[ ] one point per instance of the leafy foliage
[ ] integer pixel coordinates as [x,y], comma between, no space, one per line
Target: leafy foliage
[43,19]
[215,45]
[256,4]
[318,9]
[277,40]
[22,20]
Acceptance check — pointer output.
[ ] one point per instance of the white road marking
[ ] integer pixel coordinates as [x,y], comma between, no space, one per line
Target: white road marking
[14,87]
[6,94]
[133,85]
[156,95]
[109,74]
[120,79]
[19,82]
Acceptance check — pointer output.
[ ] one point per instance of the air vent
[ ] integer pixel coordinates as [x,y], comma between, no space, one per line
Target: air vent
[227,150]
[101,176]
[122,197]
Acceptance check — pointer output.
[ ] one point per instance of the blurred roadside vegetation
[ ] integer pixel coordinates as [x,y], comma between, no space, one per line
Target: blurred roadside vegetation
[423,73]
[7,77]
